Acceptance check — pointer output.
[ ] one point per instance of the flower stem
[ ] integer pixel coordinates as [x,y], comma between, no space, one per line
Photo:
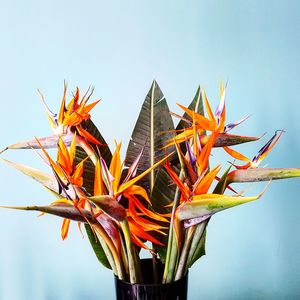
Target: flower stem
[108,254]
[199,230]
[172,249]
[170,268]
[182,265]
[113,250]
[133,263]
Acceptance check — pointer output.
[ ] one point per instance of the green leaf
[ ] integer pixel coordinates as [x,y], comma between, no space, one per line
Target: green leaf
[150,133]
[197,106]
[198,243]
[164,188]
[162,251]
[221,186]
[161,197]
[153,128]
[253,175]
[95,243]
[163,192]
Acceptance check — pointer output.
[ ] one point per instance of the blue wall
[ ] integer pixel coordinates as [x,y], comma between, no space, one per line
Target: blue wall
[253,250]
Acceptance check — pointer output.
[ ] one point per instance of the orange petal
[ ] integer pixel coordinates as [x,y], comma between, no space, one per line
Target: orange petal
[136,240]
[73,119]
[184,190]
[137,190]
[65,228]
[146,224]
[70,107]
[72,150]
[115,167]
[208,108]
[55,167]
[236,154]
[203,122]
[87,108]
[148,212]
[88,136]
[270,148]
[203,158]
[63,157]
[205,183]
[180,138]
[77,175]
[137,230]
[131,182]
[98,182]
[61,201]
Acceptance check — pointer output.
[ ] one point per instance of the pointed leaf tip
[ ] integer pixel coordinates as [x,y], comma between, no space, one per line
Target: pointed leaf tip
[3,150]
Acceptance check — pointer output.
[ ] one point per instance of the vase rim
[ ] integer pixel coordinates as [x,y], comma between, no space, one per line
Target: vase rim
[152,284]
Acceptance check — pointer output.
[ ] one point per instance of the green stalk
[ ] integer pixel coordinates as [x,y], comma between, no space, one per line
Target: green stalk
[124,255]
[200,228]
[131,254]
[112,248]
[172,249]
[182,265]
[138,265]
[173,259]
[108,254]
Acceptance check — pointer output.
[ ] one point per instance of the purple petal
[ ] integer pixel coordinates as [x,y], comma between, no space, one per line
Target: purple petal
[48,110]
[133,168]
[265,147]
[191,155]
[221,105]
[230,126]
[198,142]
[191,222]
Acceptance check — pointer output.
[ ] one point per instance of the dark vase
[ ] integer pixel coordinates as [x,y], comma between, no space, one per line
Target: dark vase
[149,290]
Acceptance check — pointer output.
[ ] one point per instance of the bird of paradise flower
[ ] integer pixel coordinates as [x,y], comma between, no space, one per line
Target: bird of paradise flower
[118,208]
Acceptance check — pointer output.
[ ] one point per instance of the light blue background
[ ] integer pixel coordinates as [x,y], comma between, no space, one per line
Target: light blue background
[253,252]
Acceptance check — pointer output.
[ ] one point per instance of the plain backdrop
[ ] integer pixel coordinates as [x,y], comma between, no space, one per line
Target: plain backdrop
[253,251]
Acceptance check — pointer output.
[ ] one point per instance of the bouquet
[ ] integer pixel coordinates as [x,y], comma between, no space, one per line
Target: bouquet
[162,196]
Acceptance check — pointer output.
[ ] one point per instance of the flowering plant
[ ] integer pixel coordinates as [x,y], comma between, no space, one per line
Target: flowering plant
[162,196]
